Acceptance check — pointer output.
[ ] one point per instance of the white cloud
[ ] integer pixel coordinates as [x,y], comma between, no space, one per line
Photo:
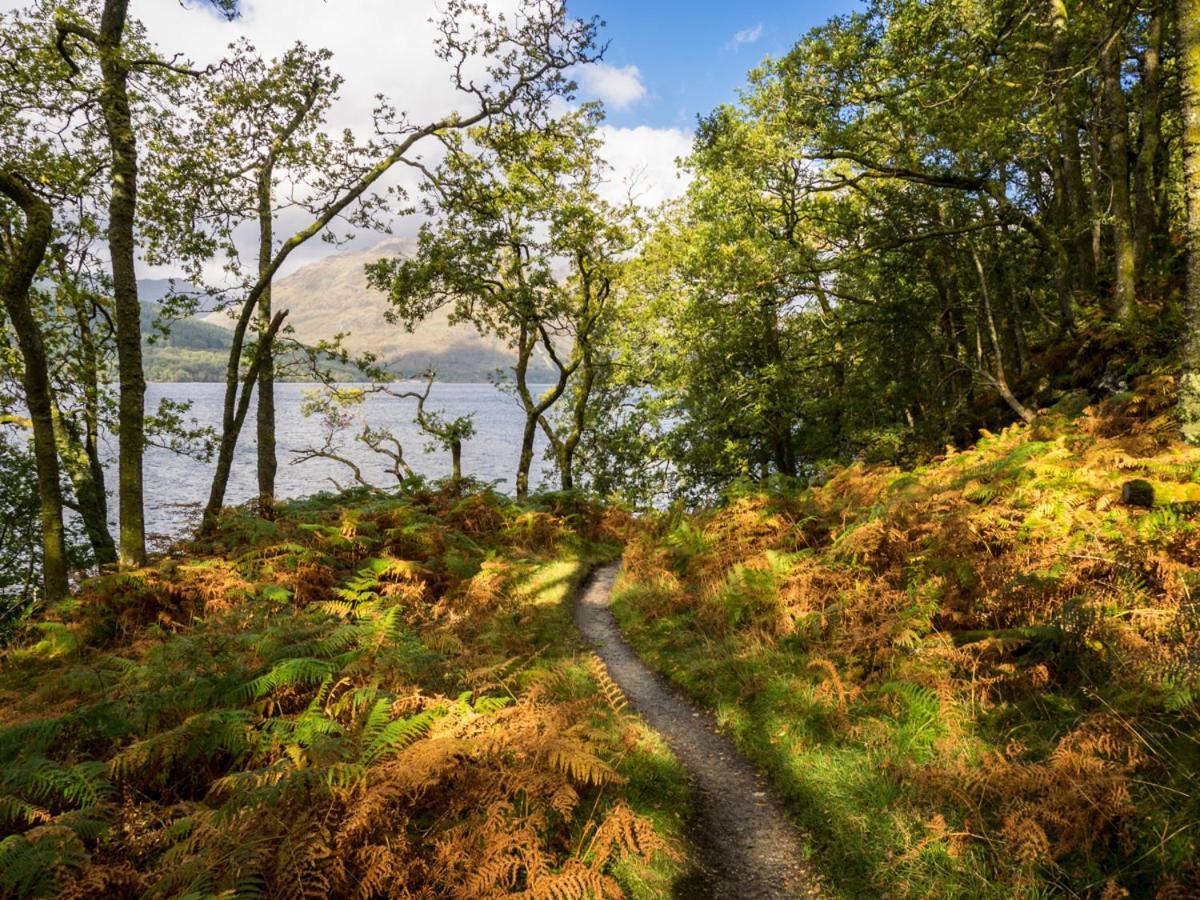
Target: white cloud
[618,87]
[644,161]
[386,46]
[745,36]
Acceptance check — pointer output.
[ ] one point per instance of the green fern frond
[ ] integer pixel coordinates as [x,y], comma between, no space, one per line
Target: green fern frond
[487,706]
[290,673]
[398,734]
[32,738]
[201,736]
[43,781]
[39,862]
[15,811]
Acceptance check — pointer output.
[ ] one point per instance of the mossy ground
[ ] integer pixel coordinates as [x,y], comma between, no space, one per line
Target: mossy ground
[369,696]
[977,678]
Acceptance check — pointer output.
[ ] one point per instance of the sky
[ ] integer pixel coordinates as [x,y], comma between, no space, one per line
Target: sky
[667,62]
[689,57]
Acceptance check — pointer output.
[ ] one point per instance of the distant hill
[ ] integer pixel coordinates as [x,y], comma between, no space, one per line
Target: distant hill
[194,350]
[331,296]
[186,334]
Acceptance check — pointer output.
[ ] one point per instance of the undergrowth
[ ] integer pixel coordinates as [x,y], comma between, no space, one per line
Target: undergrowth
[367,697]
[978,678]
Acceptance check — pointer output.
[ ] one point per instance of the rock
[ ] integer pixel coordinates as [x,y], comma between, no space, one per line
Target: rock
[1138,492]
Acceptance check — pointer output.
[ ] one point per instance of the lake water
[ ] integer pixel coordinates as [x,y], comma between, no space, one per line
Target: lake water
[177,486]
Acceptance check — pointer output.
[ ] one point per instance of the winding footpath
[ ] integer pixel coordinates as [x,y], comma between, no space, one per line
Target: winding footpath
[750,850]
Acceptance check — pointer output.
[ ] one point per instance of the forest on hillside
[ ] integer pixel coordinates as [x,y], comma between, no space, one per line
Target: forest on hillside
[931,296]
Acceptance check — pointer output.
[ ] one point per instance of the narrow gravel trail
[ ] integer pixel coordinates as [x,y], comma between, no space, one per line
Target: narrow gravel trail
[750,849]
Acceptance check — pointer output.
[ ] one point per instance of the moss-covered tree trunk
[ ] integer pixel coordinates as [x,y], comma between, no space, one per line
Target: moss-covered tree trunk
[456,464]
[1145,188]
[79,444]
[583,396]
[81,463]
[525,345]
[237,405]
[1075,200]
[1188,23]
[1116,125]
[122,211]
[16,278]
[267,462]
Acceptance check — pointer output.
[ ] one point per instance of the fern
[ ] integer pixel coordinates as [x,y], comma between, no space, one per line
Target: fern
[381,737]
[45,782]
[613,696]
[39,862]
[290,740]
[573,758]
[290,673]
[200,737]
[15,811]
[33,737]
[487,706]
[920,720]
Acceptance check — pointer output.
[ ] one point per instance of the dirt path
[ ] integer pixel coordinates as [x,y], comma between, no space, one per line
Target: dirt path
[750,848]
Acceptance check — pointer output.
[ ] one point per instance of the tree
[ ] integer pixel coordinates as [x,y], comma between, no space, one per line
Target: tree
[594,236]
[508,204]
[51,160]
[336,407]
[1188,20]
[930,216]
[23,250]
[107,40]
[1116,141]
[256,147]
[526,57]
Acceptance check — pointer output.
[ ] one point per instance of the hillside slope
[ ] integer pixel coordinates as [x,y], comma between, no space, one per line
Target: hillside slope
[194,349]
[371,696]
[980,677]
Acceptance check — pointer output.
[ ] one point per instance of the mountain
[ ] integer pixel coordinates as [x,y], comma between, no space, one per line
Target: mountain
[331,295]
[185,334]
[196,350]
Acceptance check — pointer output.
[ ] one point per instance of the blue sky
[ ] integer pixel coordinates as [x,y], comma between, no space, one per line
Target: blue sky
[686,52]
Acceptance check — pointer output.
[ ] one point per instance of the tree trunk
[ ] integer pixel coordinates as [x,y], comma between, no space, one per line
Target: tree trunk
[455,464]
[1149,139]
[267,461]
[534,411]
[779,436]
[234,417]
[583,396]
[1075,203]
[525,346]
[16,279]
[999,378]
[81,462]
[88,481]
[1012,317]
[1096,216]
[1116,123]
[122,211]
[1188,23]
